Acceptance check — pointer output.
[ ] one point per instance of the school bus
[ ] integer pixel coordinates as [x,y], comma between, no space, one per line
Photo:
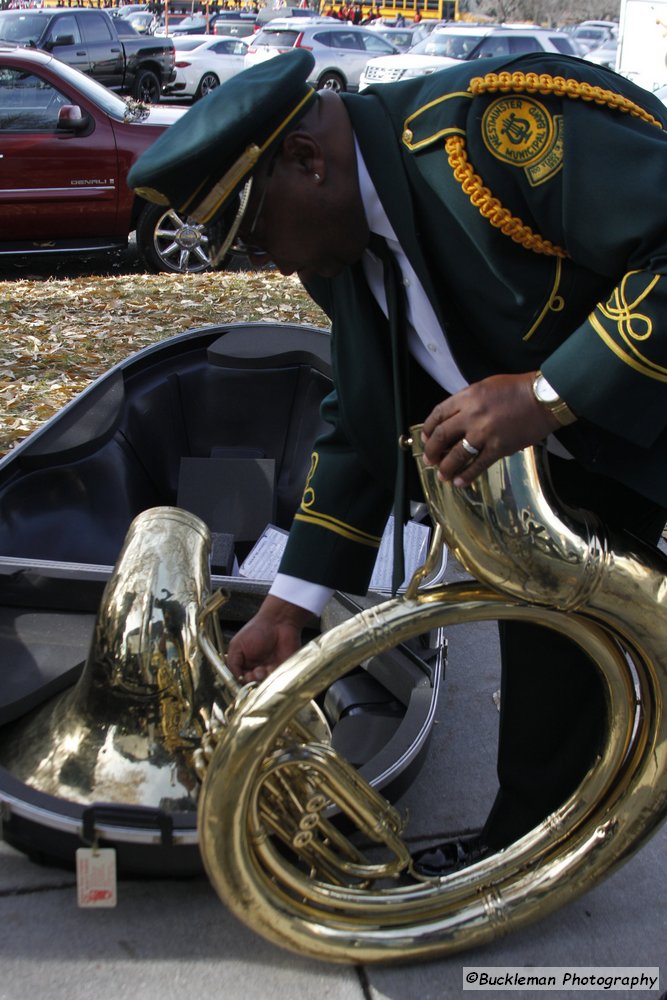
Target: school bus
[439,10]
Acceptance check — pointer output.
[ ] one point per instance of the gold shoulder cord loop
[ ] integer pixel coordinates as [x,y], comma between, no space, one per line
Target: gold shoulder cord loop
[490,207]
[531,83]
[542,83]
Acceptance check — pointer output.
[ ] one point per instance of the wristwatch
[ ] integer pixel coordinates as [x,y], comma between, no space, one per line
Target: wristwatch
[546,395]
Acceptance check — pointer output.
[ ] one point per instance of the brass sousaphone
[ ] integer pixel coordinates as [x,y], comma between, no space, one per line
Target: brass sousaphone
[272,796]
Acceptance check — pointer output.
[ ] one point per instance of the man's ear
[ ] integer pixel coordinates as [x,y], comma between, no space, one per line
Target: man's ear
[304,151]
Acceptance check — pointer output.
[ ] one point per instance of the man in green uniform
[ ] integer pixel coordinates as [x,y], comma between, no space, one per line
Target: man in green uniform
[522,204]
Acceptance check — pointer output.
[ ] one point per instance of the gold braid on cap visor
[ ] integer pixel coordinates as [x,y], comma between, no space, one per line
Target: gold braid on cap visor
[217,253]
[221,191]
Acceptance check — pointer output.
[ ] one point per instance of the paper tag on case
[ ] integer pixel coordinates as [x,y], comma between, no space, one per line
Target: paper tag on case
[96,876]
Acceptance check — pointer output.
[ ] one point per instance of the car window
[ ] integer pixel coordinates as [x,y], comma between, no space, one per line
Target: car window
[64,27]
[525,43]
[377,44]
[563,44]
[496,45]
[340,39]
[96,28]
[28,103]
[590,33]
[503,45]
[455,46]
[229,47]
[276,39]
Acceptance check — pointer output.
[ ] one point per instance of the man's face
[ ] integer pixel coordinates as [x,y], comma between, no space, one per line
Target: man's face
[301,224]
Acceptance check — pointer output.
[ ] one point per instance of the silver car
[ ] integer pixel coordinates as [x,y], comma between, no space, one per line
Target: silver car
[341,50]
[605,54]
[591,34]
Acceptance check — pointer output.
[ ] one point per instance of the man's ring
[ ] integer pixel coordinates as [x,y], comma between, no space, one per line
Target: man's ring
[470,448]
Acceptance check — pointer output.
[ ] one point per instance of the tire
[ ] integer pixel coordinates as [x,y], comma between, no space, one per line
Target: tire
[167,242]
[208,82]
[147,87]
[331,81]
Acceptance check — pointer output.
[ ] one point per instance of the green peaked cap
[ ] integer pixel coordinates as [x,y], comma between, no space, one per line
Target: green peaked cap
[201,164]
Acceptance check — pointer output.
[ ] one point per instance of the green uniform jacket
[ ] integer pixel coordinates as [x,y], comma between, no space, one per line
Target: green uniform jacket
[534,211]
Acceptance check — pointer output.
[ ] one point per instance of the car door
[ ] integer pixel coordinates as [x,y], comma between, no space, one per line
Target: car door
[228,57]
[347,53]
[63,39]
[54,185]
[105,51]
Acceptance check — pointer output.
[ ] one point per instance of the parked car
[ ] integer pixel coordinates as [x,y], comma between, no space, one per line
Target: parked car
[341,50]
[605,54]
[448,45]
[127,8]
[165,25]
[143,21]
[66,146]
[240,24]
[203,62]
[93,42]
[196,24]
[591,34]
[270,13]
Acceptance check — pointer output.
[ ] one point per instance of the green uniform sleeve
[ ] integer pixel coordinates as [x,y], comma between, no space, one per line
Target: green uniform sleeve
[606,206]
[336,533]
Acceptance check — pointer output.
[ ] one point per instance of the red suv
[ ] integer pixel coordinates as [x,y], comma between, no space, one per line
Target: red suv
[66,146]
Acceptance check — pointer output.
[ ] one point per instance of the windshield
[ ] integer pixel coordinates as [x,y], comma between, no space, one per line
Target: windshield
[456,46]
[23,28]
[402,39]
[192,22]
[591,33]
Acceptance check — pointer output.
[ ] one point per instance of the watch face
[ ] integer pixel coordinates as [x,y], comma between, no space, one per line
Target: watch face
[545,392]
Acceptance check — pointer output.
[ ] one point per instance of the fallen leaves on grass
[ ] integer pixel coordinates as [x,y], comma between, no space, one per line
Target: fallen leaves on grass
[57,336]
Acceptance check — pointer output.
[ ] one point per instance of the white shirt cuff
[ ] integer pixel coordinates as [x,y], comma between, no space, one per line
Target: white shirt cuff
[311,596]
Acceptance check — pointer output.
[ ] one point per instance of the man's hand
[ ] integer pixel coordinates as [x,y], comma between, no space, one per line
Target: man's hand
[267,640]
[498,416]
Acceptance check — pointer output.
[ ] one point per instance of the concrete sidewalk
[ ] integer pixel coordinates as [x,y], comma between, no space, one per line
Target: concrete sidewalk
[170,940]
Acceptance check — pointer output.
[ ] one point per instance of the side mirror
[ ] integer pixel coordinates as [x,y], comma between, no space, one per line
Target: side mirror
[60,40]
[72,119]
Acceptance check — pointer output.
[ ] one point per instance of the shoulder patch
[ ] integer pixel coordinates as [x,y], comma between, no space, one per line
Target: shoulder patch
[519,130]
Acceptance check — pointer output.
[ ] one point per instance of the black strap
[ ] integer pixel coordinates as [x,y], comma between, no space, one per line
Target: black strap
[393,286]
